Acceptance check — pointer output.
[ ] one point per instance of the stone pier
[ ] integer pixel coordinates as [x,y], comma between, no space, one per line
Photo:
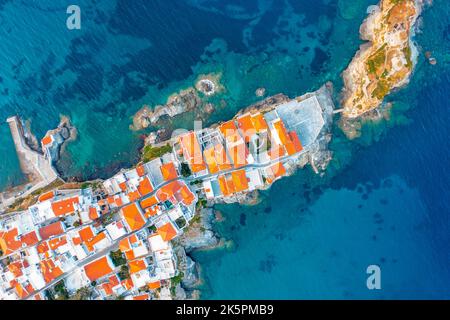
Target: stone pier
[34,165]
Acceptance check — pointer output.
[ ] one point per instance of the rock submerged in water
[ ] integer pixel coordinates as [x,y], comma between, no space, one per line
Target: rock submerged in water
[260,92]
[209,84]
[209,108]
[206,87]
[431,60]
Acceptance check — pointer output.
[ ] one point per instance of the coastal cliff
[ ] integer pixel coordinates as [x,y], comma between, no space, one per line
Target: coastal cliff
[386,61]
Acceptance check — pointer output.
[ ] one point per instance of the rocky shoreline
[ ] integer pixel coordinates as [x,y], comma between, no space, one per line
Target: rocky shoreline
[198,236]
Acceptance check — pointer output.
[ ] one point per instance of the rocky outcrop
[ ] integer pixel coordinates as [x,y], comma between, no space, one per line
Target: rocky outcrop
[209,84]
[386,61]
[199,234]
[184,101]
[64,133]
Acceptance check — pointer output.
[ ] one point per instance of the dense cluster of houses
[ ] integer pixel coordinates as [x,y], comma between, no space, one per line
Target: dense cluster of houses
[116,238]
[70,234]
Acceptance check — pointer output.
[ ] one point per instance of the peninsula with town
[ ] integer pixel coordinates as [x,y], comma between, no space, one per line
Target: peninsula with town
[130,236]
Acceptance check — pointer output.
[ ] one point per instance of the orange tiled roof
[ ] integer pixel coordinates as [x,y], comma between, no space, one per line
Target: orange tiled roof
[55,243]
[130,255]
[230,184]
[93,213]
[86,233]
[118,201]
[123,186]
[113,280]
[133,196]
[240,180]
[49,270]
[144,296]
[140,170]
[29,239]
[137,265]
[98,268]
[63,207]
[133,217]
[145,187]
[167,232]
[20,290]
[278,169]
[29,288]
[9,242]
[16,268]
[154,285]
[259,122]
[150,212]
[186,195]
[211,160]
[238,153]
[46,196]
[124,245]
[133,238]
[47,140]
[192,152]
[128,283]
[76,240]
[38,296]
[92,242]
[176,191]
[245,123]
[149,202]
[107,288]
[167,192]
[284,137]
[169,171]
[51,230]
[296,141]
[228,129]
[223,186]
[42,247]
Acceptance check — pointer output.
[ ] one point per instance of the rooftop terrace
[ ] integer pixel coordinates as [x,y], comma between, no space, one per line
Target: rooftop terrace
[304,117]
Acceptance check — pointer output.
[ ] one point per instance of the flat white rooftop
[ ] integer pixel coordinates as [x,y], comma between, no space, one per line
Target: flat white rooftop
[304,117]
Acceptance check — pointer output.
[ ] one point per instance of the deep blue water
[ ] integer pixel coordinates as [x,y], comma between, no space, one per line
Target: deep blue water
[384,199]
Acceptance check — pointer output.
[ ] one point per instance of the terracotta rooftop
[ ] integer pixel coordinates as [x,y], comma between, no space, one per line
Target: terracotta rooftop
[169,171]
[133,217]
[167,232]
[98,268]
[53,229]
[63,207]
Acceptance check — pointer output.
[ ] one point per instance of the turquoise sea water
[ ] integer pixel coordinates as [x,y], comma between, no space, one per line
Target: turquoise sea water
[384,198]
[127,55]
